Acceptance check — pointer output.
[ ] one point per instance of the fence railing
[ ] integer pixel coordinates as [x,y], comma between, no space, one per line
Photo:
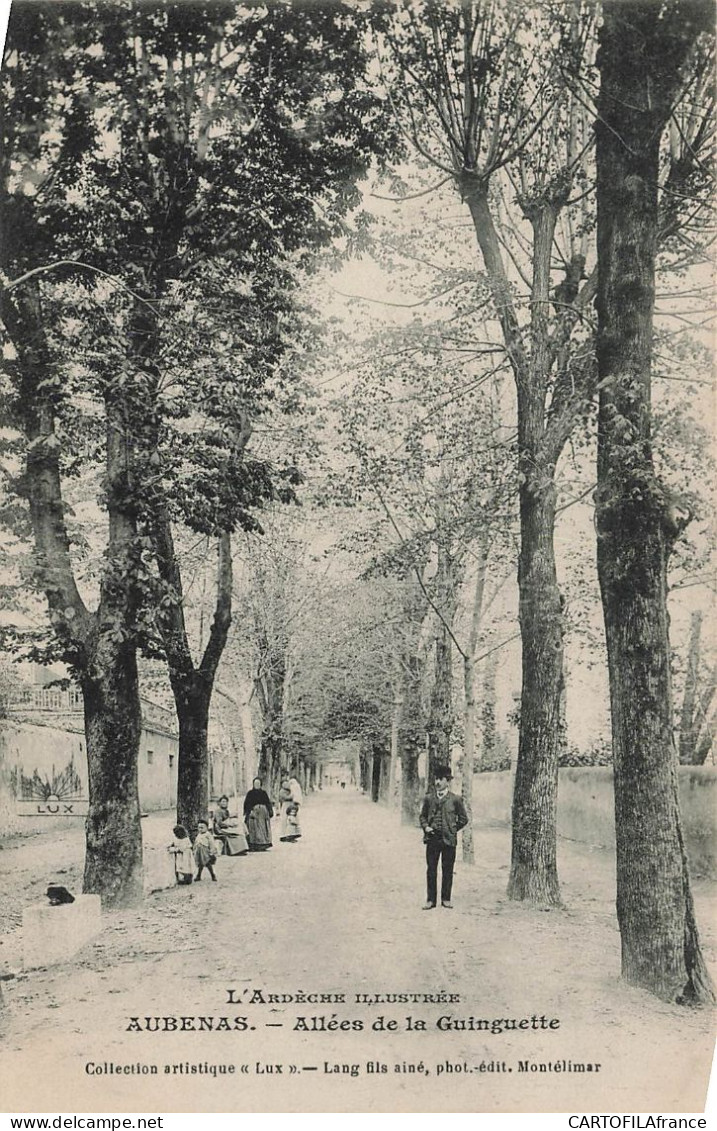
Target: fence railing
[64,700]
[46,698]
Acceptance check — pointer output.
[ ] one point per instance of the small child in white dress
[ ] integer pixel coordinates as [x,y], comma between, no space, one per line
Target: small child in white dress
[181,847]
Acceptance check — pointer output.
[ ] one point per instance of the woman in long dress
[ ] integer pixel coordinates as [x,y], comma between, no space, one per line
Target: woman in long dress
[258,812]
[228,831]
[289,813]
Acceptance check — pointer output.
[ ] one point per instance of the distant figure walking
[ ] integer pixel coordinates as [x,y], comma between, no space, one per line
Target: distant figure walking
[289,829]
[443,815]
[227,831]
[205,851]
[258,811]
[181,848]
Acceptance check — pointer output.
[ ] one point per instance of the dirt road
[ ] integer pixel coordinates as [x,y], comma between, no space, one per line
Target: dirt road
[338,916]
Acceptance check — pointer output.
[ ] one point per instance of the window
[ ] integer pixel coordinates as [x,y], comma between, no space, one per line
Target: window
[150,757]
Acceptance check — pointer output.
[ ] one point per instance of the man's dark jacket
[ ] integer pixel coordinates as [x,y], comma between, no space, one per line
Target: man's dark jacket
[450,813]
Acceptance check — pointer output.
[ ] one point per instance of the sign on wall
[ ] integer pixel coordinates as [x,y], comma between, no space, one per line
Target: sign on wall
[58,795]
[53,806]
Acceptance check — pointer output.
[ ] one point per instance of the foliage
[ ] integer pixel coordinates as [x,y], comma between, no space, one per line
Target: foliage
[599,754]
[495,762]
[188,159]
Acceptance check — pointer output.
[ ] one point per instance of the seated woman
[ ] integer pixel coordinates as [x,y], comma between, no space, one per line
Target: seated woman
[258,812]
[228,831]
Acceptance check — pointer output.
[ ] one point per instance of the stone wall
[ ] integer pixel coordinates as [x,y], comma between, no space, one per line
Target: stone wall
[42,753]
[586,809]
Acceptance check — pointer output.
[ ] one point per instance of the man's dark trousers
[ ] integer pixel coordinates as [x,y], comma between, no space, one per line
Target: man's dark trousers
[436,850]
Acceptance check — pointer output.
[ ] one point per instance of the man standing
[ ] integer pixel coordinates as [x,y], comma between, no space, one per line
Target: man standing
[443,815]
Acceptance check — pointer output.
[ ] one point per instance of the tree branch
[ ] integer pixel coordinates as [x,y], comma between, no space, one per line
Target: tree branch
[77,264]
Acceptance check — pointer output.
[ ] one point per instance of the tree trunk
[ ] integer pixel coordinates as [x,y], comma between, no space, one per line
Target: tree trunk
[394,756]
[488,727]
[534,872]
[384,779]
[563,712]
[270,688]
[364,760]
[376,762]
[270,758]
[446,584]
[706,721]
[440,721]
[100,646]
[706,740]
[640,60]
[113,855]
[410,781]
[300,772]
[192,698]
[192,686]
[469,689]
[110,687]
[410,743]
[469,750]
[689,726]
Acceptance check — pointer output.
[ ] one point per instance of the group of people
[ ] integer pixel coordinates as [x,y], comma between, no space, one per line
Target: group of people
[230,836]
[443,815]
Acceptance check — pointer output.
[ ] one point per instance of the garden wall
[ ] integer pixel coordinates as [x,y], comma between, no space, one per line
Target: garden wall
[586,809]
[47,756]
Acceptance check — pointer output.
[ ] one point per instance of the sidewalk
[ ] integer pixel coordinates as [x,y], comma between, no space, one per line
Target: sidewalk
[338,915]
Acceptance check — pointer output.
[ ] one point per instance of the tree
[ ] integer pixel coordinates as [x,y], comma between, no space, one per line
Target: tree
[236,169]
[343,668]
[271,590]
[477,103]
[210,485]
[215,147]
[643,59]
[278,600]
[697,718]
[100,646]
[431,462]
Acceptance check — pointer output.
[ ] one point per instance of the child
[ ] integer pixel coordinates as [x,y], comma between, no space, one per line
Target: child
[205,850]
[293,831]
[181,846]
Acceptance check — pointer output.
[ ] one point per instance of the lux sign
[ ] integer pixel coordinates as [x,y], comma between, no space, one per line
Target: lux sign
[52,806]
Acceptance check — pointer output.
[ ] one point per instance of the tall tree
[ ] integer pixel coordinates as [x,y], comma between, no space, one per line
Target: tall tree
[99,645]
[642,59]
[477,103]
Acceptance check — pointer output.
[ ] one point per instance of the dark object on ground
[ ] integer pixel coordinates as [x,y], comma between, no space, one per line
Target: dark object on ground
[57,895]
